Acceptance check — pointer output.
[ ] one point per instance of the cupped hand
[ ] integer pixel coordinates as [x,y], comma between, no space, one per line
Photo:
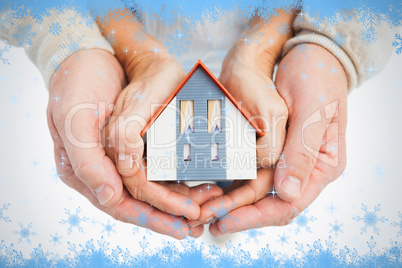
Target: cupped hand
[314,86]
[153,75]
[247,74]
[82,95]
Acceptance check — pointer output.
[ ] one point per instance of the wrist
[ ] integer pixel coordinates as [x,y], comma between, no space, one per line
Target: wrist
[315,71]
[260,45]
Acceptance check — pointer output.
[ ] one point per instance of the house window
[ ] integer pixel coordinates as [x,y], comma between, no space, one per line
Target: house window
[187,116]
[214,116]
[214,152]
[187,152]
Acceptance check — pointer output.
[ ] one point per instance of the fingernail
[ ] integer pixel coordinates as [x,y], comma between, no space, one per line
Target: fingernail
[195,225]
[125,162]
[212,198]
[291,186]
[209,219]
[104,193]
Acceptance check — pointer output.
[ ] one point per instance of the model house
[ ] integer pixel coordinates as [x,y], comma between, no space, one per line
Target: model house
[201,133]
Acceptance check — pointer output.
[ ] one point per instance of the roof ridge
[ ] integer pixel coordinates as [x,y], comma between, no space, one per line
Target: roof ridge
[220,86]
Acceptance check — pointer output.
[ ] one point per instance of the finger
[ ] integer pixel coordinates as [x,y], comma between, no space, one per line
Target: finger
[305,134]
[204,192]
[161,196]
[87,157]
[248,193]
[270,211]
[135,107]
[199,194]
[129,210]
[265,107]
[196,231]
[144,215]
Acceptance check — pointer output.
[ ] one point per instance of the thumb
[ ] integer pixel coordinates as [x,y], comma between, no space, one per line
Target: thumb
[134,108]
[87,157]
[305,134]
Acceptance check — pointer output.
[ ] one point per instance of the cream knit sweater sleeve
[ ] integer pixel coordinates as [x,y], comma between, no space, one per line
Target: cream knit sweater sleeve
[344,41]
[49,42]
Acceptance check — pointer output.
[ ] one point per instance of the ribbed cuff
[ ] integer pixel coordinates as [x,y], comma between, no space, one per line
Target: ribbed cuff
[308,36]
[59,36]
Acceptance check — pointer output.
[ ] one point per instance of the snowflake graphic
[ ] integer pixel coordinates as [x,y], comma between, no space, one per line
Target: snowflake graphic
[108,228]
[370,219]
[283,29]
[368,36]
[2,217]
[336,228]
[283,239]
[370,17]
[188,202]
[55,239]
[2,58]
[371,244]
[302,220]
[178,42]
[74,220]
[177,225]
[396,224]
[142,218]
[253,233]
[144,243]
[73,45]
[136,229]
[397,43]
[222,213]
[55,28]
[302,50]
[24,35]
[252,35]
[25,233]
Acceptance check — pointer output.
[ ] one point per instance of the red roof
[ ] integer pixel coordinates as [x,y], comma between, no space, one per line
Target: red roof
[199,64]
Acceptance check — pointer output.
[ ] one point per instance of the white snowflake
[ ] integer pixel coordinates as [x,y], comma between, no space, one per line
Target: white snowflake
[283,239]
[108,228]
[283,29]
[142,218]
[177,225]
[24,35]
[74,220]
[398,224]
[144,243]
[397,43]
[222,213]
[55,239]
[2,58]
[370,219]
[370,17]
[55,28]
[253,233]
[302,220]
[25,233]
[178,42]
[73,45]
[336,227]
[2,217]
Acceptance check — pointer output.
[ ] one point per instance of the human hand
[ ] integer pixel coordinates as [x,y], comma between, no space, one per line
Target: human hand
[247,74]
[82,93]
[153,75]
[314,86]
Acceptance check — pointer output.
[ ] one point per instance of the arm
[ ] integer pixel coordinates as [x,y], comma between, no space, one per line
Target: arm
[344,40]
[49,42]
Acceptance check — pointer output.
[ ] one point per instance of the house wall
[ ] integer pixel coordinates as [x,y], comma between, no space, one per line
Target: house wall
[200,88]
[240,145]
[161,146]
[237,150]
